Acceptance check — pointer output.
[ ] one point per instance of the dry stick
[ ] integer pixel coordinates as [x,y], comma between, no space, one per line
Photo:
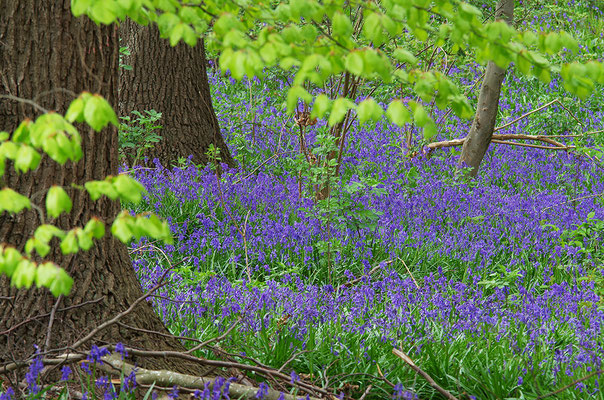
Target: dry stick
[216,339]
[157,333]
[292,358]
[168,379]
[26,101]
[308,388]
[424,374]
[504,139]
[534,111]
[535,146]
[410,274]
[50,323]
[555,392]
[366,392]
[591,196]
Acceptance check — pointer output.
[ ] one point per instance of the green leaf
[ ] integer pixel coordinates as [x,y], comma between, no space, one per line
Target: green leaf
[176,33]
[62,283]
[369,109]
[340,107]
[21,134]
[129,189]
[98,113]
[404,56]
[354,63]
[293,94]
[430,130]
[120,227]
[9,259]
[79,7]
[341,25]
[420,116]
[26,159]
[95,227]
[69,244]
[46,273]
[321,106]
[84,239]
[57,201]
[24,275]
[98,188]
[12,201]
[75,112]
[398,113]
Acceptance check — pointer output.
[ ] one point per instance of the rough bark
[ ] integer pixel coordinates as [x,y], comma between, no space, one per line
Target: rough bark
[47,55]
[478,139]
[173,81]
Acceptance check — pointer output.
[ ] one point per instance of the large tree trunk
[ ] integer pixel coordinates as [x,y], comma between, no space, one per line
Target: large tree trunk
[173,81]
[477,142]
[47,55]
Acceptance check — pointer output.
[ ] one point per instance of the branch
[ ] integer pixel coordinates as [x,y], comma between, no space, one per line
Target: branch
[555,392]
[423,374]
[504,138]
[169,379]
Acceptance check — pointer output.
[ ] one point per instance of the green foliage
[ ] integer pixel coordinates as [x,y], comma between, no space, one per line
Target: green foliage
[321,40]
[138,134]
[54,135]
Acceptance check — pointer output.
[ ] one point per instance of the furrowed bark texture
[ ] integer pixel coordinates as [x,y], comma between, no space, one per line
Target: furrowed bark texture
[173,81]
[47,55]
[477,142]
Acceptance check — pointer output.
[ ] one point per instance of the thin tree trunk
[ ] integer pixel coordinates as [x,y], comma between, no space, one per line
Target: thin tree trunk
[48,56]
[477,142]
[173,81]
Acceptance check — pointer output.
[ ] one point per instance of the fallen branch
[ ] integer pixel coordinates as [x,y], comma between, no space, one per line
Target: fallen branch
[503,138]
[423,374]
[357,280]
[113,363]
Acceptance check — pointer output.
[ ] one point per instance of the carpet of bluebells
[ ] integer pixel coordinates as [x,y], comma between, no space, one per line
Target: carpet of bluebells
[493,286]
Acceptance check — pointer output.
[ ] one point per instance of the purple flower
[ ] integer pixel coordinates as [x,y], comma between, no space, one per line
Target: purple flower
[130,381]
[96,353]
[173,394]
[32,375]
[119,348]
[102,382]
[294,377]
[8,395]
[262,391]
[65,372]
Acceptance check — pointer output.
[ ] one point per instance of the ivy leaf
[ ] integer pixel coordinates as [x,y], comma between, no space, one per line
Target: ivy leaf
[57,201]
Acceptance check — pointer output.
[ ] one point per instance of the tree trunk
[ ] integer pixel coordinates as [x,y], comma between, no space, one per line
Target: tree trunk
[173,81]
[48,56]
[477,142]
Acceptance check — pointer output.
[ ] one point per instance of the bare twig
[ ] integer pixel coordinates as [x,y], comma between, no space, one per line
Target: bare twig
[555,392]
[26,101]
[504,139]
[591,196]
[423,374]
[410,274]
[357,280]
[50,322]
[366,392]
